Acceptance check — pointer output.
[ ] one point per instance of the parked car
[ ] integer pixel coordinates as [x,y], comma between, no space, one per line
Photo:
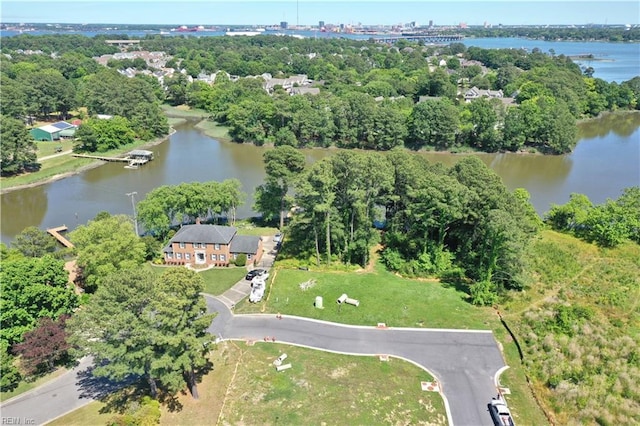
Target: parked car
[500,413]
[254,273]
[277,238]
[257,291]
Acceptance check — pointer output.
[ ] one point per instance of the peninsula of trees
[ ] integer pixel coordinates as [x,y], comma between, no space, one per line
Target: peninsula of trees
[348,93]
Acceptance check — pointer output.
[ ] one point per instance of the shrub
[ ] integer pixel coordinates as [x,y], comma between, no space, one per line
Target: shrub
[241,259]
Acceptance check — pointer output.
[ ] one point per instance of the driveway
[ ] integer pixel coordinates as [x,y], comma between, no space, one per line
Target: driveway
[242,288]
[464,362]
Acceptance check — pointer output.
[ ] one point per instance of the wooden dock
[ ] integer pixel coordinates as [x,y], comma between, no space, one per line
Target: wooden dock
[103,158]
[56,234]
[134,159]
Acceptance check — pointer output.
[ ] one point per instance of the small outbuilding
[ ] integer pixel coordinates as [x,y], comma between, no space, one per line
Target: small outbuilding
[52,132]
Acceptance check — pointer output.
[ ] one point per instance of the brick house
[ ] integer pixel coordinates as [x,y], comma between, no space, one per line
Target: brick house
[210,245]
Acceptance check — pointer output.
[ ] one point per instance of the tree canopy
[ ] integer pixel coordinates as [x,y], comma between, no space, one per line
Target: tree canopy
[147,326]
[104,246]
[32,288]
[172,205]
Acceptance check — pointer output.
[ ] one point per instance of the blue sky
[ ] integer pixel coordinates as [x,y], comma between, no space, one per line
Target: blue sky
[308,12]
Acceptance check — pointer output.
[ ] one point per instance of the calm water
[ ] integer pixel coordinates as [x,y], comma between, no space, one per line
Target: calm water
[606,160]
[613,61]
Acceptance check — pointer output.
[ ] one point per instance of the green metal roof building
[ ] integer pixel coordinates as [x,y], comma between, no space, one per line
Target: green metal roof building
[53,132]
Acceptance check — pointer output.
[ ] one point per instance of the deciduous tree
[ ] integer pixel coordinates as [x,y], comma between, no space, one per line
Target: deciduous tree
[18,148]
[34,242]
[106,246]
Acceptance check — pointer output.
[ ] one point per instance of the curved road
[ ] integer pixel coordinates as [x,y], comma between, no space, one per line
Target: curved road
[464,362]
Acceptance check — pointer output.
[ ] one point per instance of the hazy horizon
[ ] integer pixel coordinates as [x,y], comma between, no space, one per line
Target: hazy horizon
[308,12]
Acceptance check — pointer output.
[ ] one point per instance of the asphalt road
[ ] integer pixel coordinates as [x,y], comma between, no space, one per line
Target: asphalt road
[70,391]
[464,362]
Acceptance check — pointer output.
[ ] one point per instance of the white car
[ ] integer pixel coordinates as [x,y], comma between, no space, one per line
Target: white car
[257,291]
[259,279]
[277,238]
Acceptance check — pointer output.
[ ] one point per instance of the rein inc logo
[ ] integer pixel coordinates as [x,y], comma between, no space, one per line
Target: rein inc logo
[18,421]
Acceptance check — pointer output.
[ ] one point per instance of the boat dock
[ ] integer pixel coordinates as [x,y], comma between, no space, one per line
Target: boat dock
[56,234]
[134,159]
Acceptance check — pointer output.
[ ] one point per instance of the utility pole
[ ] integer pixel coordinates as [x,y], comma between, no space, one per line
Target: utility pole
[135,216]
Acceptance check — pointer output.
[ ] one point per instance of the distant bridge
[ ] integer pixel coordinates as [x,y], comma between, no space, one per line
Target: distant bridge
[429,39]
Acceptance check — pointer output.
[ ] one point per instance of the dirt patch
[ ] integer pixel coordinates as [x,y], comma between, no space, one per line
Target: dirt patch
[341,371]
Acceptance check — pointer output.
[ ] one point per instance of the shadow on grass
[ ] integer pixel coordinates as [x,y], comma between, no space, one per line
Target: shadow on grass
[455,279]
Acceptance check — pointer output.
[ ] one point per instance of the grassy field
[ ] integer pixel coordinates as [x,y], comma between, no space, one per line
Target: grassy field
[218,280]
[183,111]
[246,228]
[384,297]
[580,330]
[326,388]
[49,148]
[320,388]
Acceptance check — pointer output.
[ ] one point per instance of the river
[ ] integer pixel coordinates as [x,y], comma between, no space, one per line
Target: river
[606,160]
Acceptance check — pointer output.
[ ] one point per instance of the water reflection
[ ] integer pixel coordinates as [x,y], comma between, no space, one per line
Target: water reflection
[620,124]
[26,208]
[606,160]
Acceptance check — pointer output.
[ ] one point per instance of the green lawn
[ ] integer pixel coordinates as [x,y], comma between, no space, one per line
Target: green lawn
[256,231]
[219,280]
[326,388]
[216,280]
[62,165]
[384,297]
[87,415]
[49,148]
[184,111]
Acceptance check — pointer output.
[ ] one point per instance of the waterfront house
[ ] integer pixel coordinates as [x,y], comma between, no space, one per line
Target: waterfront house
[210,245]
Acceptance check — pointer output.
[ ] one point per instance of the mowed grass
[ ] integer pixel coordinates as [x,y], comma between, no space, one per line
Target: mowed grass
[216,280]
[63,165]
[320,388]
[219,280]
[49,148]
[384,297]
[88,415]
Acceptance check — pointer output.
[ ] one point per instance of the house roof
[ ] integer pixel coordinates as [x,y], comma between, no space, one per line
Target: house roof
[56,127]
[244,244]
[211,234]
[141,153]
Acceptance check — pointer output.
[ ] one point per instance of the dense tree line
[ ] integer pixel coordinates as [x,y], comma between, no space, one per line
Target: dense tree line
[608,224]
[34,294]
[588,33]
[550,91]
[458,222]
[171,205]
